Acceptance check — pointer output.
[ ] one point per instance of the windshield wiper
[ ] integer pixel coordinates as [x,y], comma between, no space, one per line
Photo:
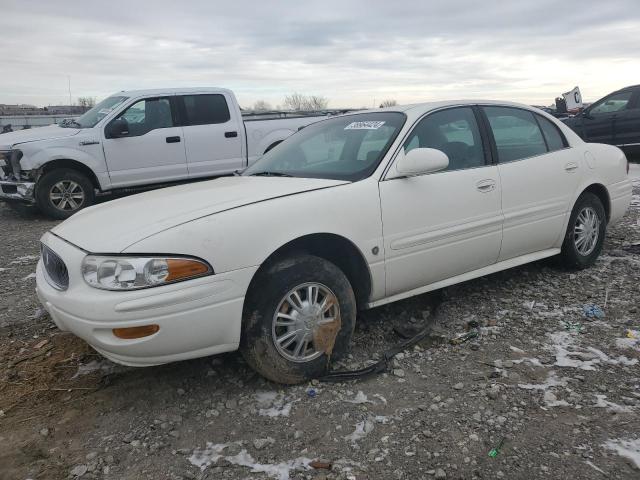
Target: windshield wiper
[270,174]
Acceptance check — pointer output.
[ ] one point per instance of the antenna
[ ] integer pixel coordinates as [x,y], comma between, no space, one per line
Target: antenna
[69,81]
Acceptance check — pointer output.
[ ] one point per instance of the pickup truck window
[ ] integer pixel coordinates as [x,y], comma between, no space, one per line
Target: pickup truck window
[146,115]
[205,109]
[612,103]
[91,118]
[348,147]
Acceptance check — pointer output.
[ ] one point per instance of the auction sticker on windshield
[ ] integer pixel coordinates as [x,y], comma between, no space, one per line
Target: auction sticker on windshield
[369,125]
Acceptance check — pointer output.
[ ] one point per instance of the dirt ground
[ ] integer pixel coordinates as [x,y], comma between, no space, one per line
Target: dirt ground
[554,391]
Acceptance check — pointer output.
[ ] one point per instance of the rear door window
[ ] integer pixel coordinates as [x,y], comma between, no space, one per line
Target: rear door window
[516,133]
[205,109]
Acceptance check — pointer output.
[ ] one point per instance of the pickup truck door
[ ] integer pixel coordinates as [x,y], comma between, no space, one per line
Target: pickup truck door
[599,119]
[149,149]
[446,223]
[627,123]
[214,136]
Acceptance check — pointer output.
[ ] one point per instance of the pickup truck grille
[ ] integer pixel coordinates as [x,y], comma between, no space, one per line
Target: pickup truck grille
[55,270]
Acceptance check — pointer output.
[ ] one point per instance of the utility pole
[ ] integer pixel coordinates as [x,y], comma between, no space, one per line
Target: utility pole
[69,80]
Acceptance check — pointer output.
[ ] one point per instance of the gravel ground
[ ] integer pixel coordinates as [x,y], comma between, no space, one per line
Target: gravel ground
[554,391]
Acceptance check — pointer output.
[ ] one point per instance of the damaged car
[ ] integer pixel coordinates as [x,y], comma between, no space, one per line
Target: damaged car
[349,213]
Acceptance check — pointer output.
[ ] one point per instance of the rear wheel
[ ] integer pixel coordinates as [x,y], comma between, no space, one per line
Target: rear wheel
[61,193]
[299,315]
[585,232]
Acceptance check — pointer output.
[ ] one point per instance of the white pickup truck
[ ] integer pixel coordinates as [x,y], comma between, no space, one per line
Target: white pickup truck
[134,139]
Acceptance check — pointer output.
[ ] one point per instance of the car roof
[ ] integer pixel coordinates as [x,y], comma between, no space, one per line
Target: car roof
[420,108]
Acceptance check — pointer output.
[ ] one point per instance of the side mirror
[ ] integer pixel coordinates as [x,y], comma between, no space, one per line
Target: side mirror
[118,128]
[418,161]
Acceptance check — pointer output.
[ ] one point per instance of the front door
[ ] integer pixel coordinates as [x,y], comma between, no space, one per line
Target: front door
[539,175]
[152,150]
[447,223]
[598,120]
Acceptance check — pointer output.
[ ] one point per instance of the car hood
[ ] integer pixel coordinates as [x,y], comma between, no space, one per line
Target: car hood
[11,139]
[113,226]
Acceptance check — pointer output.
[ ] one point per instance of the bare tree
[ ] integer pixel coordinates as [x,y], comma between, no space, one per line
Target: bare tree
[261,106]
[316,102]
[295,101]
[87,102]
[388,103]
[298,101]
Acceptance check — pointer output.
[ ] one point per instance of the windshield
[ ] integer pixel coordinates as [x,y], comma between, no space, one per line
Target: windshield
[97,113]
[342,148]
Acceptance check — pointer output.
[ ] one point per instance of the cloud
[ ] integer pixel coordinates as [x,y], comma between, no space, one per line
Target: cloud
[352,52]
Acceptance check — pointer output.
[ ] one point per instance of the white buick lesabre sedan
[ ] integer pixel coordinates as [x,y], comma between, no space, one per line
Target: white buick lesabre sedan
[349,213]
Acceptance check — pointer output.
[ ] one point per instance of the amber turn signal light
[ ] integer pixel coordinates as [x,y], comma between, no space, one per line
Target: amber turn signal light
[182,268]
[136,332]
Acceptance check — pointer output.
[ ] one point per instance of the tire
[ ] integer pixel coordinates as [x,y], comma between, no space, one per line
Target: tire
[268,301]
[61,193]
[576,255]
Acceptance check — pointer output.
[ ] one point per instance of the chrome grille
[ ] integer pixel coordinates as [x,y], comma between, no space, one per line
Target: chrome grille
[55,270]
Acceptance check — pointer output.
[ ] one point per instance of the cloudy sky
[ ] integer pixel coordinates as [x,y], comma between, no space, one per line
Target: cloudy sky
[354,52]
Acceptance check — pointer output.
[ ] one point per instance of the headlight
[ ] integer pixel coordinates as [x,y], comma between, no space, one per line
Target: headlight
[132,273]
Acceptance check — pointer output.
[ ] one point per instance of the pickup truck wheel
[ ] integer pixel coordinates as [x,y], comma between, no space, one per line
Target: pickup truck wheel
[61,193]
[585,233]
[299,316]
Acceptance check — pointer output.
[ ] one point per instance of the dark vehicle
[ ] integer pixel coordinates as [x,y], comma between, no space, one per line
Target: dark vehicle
[614,119]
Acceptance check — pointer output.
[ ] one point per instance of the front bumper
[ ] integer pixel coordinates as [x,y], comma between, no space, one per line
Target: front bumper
[17,191]
[197,318]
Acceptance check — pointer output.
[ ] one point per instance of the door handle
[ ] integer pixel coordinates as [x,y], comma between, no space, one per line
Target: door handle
[571,167]
[173,139]
[230,134]
[486,186]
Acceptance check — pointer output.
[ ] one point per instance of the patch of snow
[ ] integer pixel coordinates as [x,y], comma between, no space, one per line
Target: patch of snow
[621,360]
[602,402]
[363,429]
[551,381]
[626,448]
[532,360]
[30,276]
[380,397]
[203,458]
[104,366]
[550,400]
[273,404]
[594,467]
[24,259]
[516,349]
[360,398]
[562,342]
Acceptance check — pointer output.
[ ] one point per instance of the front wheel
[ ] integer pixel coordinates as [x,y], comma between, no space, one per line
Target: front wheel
[299,314]
[585,232]
[61,193]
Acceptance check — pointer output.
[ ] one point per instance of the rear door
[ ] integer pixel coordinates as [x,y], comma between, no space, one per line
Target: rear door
[152,151]
[446,223]
[539,175]
[599,121]
[213,140]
